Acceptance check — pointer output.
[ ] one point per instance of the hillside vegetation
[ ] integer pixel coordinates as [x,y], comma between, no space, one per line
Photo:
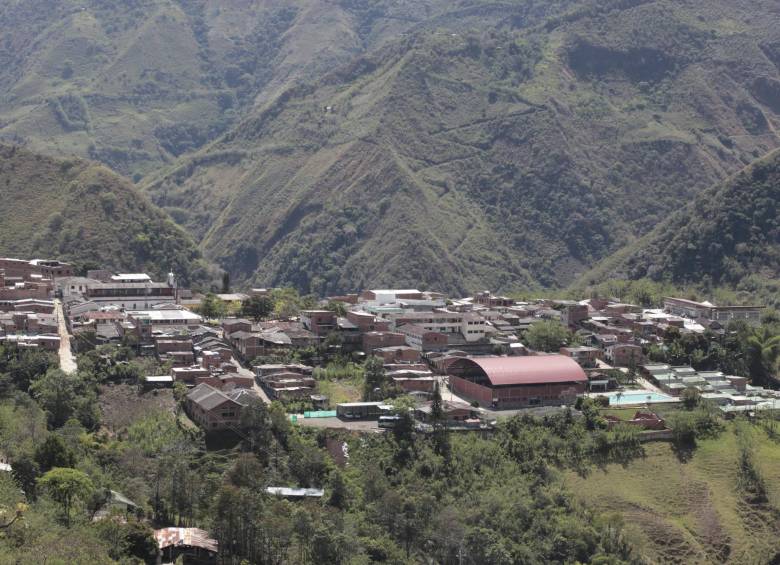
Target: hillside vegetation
[82,212]
[728,235]
[138,83]
[694,509]
[516,155]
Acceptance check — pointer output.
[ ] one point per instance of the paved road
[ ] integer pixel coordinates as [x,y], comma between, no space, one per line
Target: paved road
[67,360]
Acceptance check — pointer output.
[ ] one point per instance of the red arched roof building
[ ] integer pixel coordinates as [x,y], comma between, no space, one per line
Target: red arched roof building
[518,382]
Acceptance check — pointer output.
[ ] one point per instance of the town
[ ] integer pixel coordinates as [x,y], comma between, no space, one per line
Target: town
[472,347]
[376,361]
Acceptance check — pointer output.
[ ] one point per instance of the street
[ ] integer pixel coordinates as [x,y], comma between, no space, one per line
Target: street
[67,360]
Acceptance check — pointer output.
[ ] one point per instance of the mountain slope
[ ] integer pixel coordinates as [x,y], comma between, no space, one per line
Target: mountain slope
[138,83]
[82,212]
[725,234]
[467,159]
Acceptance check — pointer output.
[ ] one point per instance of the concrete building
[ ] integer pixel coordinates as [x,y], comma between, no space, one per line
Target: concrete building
[706,313]
[422,339]
[470,325]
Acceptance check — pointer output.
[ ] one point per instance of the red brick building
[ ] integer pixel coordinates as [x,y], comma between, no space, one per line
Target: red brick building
[518,382]
[367,322]
[319,322]
[621,354]
[376,340]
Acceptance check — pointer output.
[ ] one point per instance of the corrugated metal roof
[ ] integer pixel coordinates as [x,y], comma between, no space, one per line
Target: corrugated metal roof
[532,369]
[189,537]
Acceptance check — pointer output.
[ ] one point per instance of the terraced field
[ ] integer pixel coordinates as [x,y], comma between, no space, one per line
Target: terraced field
[687,508]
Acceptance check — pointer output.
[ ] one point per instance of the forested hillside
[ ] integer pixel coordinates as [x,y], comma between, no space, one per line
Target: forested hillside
[81,212]
[495,156]
[723,237]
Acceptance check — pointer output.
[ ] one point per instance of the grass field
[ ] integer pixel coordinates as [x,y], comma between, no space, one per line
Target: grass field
[682,509]
[339,391]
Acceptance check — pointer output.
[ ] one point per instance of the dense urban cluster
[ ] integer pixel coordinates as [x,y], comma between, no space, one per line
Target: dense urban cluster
[276,428]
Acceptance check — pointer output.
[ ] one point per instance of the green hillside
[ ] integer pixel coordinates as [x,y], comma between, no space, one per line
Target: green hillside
[516,154]
[692,510]
[82,212]
[727,236]
[137,83]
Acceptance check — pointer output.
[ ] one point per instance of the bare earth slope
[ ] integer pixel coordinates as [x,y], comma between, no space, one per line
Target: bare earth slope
[492,158]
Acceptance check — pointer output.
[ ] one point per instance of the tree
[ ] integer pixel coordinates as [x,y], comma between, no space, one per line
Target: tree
[225,282]
[25,472]
[141,541]
[441,438]
[256,427]
[338,490]
[762,351]
[63,396]
[374,378]
[632,368]
[54,453]
[212,307]
[257,307]
[18,515]
[547,335]
[66,486]
[338,307]
[690,397]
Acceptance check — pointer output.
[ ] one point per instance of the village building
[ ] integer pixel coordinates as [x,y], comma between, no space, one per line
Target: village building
[422,339]
[573,314]
[386,296]
[585,356]
[368,322]
[186,545]
[379,340]
[707,313]
[486,298]
[454,412]
[212,409]
[35,269]
[319,322]
[518,382]
[398,354]
[471,326]
[624,354]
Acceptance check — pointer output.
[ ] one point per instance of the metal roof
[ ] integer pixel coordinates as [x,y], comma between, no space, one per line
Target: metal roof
[296,492]
[533,369]
[188,537]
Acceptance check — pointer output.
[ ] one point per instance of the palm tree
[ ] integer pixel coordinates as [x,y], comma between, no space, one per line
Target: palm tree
[762,350]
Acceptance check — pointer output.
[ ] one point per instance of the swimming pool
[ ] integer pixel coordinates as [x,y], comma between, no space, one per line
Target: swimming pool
[643,397]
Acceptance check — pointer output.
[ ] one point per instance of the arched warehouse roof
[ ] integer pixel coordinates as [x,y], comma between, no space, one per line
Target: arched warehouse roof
[525,370]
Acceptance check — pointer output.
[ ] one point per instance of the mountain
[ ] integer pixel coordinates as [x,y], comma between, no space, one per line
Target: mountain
[724,235]
[504,155]
[136,84]
[82,212]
